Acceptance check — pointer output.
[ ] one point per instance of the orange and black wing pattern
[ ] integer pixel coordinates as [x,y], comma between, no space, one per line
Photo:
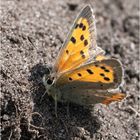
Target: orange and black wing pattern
[80,44]
[101,75]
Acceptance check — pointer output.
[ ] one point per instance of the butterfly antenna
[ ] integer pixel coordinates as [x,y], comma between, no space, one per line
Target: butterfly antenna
[55,105]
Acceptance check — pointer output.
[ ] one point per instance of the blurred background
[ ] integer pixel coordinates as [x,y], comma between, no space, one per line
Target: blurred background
[32,32]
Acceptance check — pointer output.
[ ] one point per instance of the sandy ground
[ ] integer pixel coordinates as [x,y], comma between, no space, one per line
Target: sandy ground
[24,114]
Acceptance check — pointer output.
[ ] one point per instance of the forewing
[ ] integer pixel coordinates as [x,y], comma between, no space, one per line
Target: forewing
[80,44]
[99,75]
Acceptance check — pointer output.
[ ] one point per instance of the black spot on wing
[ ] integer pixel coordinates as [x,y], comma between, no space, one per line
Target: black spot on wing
[73,40]
[81,25]
[70,78]
[67,51]
[79,74]
[102,67]
[106,78]
[106,70]
[85,42]
[89,71]
[84,28]
[102,74]
[81,37]
[76,26]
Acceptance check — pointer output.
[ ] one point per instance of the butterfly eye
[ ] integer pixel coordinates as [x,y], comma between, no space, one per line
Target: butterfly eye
[50,81]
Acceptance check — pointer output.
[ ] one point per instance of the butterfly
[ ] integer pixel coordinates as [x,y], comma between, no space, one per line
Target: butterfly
[82,74]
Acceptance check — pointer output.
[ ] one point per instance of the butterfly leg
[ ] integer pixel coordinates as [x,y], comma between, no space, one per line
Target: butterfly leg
[55,105]
[43,96]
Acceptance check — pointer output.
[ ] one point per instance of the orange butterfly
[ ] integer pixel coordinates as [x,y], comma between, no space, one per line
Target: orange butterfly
[82,74]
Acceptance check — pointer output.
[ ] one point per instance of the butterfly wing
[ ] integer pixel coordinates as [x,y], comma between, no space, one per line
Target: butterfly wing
[90,83]
[99,75]
[89,97]
[80,44]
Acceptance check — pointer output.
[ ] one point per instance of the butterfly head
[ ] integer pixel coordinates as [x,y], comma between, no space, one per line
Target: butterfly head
[48,78]
[48,81]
